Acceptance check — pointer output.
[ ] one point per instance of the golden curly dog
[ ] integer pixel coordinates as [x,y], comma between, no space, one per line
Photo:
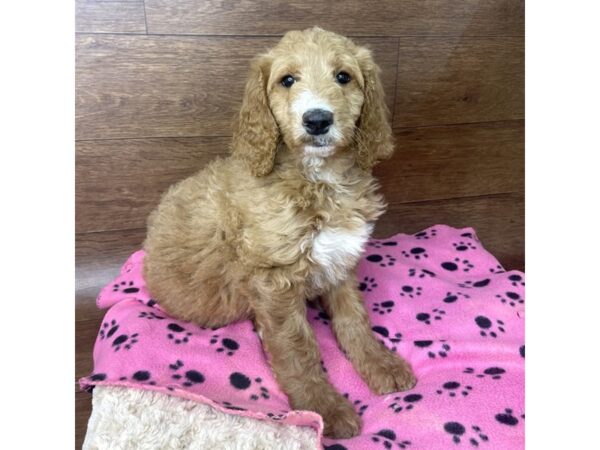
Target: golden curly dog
[285,219]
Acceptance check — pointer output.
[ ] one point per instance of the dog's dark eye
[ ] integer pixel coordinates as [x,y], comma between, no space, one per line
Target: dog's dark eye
[287,81]
[343,78]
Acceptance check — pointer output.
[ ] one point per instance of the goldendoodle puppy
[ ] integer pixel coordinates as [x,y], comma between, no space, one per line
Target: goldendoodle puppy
[285,218]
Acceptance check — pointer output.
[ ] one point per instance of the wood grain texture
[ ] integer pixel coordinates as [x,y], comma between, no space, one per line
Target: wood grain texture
[459,80]
[83,409]
[110,17]
[118,182]
[497,219]
[434,163]
[164,86]
[352,17]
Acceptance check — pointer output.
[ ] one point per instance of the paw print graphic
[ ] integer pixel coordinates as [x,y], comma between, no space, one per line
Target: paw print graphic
[367,284]
[126,287]
[228,405]
[189,377]
[383,261]
[462,246]
[475,284]
[497,269]
[507,417]
[323,317]
[226,345]
[416,253]
[387,438]
[452,297]
[405,403]
[178,334]
[457,430]
[358,404]
[436,314]
[512,298]
[486,326]
[387,337]
[451,388]
[422,273]
[493,372]
[124,341]
[384,307]
[150,315]
[411,291]
[108,329]
[380,244]
[470,236]
[516,280]
[426,234]
[452,266]
[440,348]
[141,376]
[242,382]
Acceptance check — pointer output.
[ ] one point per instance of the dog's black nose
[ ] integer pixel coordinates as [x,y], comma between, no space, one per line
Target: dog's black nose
[317,121]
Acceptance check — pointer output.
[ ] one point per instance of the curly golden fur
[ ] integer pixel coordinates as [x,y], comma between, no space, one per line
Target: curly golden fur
[285,219]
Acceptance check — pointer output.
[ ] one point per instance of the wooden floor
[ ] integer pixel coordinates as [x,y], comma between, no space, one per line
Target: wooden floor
[158,82]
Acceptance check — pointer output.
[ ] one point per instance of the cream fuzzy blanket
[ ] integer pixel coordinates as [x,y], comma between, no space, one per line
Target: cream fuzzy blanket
[124,418]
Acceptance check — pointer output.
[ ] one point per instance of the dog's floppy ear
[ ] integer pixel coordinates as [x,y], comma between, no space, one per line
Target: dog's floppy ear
[373,136]
[255,131]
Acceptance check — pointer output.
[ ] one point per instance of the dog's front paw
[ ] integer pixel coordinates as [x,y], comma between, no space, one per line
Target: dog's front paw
[386,372]
[341,420]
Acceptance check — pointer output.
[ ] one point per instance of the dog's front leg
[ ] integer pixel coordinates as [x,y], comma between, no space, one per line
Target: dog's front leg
[383,370]
[295,359]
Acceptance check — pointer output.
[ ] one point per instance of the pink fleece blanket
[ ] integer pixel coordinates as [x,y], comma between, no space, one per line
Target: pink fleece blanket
[437,297]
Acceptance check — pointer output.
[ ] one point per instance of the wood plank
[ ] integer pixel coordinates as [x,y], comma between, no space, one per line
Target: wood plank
[118,182]
[110,17]
[443,162]
[352,17]
[165,86]
[458,80]
[83,409]
[497,219]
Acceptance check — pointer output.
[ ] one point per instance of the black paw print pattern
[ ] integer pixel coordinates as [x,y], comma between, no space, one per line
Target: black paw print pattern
[225,345]
[189,377]
[141,376]
[470,236]
[457,264]
[383,261]
[388,438]
[415,253]
[358,404]
[126,287]
[411,291]
[323,317]
[475,284]
[242,382]
[441,348]
[387,336]
[150,315]
[124,341]
[508,418]
[427,234]
[511,298]
[451,297]
[381,244]
[452,388]
[493,372]
[367,284]
[334,446]
[108,329]
[228,405]
[405,403]
[421,273]
[426,318]
[384,307]
[178,334]
[487,326]
[497,269]
[462,246]
[516,280]
[458,432]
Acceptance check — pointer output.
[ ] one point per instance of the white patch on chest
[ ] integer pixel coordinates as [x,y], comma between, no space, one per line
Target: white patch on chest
[337,251]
